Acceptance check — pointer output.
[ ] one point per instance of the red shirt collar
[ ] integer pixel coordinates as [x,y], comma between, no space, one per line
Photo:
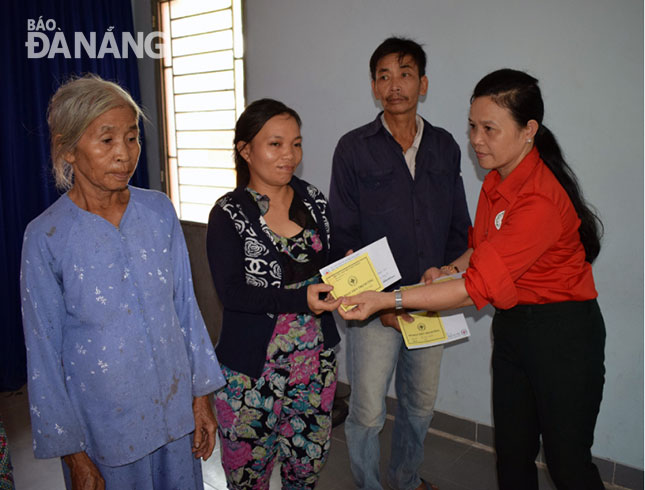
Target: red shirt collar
[510,186]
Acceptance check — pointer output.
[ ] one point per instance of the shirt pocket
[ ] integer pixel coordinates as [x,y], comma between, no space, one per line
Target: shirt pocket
[378,193]
[441,178]
[440,186]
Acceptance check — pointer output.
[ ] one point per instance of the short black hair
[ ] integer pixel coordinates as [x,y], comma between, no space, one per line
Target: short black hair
[403,47]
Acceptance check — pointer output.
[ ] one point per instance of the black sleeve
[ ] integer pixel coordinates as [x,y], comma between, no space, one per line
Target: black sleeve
[343,204]
[458,237]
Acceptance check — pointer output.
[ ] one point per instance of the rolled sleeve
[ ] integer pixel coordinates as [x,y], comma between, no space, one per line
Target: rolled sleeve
[488,279]
[528,230]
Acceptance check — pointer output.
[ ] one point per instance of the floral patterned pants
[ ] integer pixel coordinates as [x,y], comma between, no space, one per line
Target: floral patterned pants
[6,478]
[283,415]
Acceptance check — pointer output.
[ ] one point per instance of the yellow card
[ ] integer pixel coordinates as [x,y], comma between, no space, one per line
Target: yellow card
[444,279]
[354,277]
[426,329]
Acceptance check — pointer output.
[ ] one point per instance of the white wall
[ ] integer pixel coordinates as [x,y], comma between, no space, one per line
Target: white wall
[588,55]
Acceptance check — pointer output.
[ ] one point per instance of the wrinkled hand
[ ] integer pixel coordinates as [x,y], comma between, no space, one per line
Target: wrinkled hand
[205,427]
[431,275]
[317,305]
[84,473]
[390,318]
[367,304]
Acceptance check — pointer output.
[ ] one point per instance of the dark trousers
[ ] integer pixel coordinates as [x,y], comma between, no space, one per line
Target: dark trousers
[548,376]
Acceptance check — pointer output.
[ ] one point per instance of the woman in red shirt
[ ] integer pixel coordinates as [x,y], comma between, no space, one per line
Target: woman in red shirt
[531,251]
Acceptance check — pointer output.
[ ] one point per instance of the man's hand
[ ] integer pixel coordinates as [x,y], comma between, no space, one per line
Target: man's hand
[390,318]
[84,473]
[205,427]
[431,275]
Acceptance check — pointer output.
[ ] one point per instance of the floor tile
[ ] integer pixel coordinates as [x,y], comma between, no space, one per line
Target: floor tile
[629,477]
[450,462]
[336,475]
[454,425]
[606,469]
[475,468]
[29,473]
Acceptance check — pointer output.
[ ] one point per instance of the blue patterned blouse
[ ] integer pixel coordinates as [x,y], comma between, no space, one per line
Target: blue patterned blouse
[116,344]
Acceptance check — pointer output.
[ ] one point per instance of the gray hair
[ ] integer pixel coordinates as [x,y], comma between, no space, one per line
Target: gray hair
[72,109]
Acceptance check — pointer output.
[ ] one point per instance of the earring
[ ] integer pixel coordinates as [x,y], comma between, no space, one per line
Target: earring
[529,141]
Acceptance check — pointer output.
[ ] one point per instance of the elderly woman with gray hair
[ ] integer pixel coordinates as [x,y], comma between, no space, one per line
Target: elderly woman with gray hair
[120,364]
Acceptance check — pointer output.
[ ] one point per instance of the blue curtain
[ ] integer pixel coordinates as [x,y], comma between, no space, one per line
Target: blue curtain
[26,85]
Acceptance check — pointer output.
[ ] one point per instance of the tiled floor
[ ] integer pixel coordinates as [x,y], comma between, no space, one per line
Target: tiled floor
[451,463]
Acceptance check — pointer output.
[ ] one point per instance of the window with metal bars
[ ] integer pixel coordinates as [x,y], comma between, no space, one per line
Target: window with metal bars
[203,94]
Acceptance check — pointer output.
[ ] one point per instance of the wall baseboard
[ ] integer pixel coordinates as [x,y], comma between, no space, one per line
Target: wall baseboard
[610,471]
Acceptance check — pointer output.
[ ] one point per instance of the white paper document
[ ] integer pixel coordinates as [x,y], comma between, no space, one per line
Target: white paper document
[381,259]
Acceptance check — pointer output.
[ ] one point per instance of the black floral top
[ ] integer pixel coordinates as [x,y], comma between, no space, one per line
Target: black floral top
[303,250]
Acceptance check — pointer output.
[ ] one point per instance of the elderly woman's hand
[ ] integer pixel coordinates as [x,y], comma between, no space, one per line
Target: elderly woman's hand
[205,427]
[367,304]
[317,305]
[84,473]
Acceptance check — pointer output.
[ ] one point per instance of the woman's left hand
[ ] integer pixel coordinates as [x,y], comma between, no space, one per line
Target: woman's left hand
[205,427]
[367,304]
[317,305]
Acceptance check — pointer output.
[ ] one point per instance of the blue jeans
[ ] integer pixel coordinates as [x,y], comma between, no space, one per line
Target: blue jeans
[374,352]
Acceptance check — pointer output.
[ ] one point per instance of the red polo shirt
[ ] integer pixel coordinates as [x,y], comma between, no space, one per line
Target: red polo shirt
[527,249]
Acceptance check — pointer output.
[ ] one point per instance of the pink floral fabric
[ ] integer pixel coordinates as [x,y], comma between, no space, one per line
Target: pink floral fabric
[284,415]
[6,475]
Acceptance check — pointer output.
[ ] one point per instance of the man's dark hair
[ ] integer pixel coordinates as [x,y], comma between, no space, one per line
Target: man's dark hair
[403,47]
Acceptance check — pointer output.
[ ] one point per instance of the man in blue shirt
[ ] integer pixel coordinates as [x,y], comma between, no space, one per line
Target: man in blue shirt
[398,177]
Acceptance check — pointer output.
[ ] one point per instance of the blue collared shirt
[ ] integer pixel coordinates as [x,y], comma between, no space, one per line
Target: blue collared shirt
[372,195]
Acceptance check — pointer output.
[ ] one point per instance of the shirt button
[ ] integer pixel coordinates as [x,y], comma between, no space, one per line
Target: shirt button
[418,222]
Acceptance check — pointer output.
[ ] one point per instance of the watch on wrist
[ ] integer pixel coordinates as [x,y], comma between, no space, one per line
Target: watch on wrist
[398,300]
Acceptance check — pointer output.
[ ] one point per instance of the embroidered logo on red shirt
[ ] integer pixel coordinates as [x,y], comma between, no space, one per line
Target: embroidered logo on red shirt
[498,219]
